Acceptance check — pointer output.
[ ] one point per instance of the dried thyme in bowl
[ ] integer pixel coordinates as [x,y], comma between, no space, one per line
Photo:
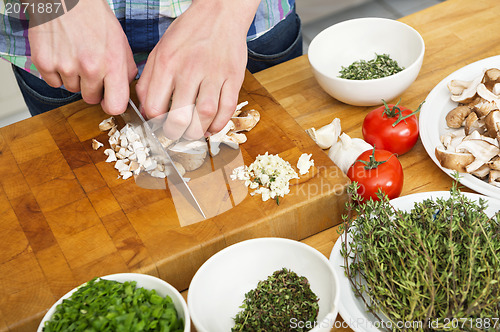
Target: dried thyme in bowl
[436,266]
[381,66]
[284,297]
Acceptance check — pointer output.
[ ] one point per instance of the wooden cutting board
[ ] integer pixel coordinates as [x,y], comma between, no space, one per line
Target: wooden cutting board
[65,217]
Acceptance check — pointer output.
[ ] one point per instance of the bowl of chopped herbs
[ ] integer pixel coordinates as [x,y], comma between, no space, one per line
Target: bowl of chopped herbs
[265,284]
[119,302]
[366,60]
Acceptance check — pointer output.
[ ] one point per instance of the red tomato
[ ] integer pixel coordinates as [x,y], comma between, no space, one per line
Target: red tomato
[392,128]
[376,169]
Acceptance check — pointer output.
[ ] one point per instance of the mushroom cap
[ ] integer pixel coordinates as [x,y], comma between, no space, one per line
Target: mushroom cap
[492,74]
[472,123]
[469,92]
[494,163]
[492,122]
[456,161]
[456,117]
[456,87]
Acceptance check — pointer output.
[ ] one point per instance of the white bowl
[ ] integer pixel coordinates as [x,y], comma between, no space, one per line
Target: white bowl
[218,288]
[145,281]
[360,39]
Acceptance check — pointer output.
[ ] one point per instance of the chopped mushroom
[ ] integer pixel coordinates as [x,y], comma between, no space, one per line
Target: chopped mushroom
[131,155]
[472,123]
[96,144]
[456,117]
[494,163]
[240,138]
[221,137]
[107,124]
[492,122]
[482,172]
[190,154]
[482,107]
[246,120]
[453,160]
[487,95]
[474,146]
[494,178]
[468,92]
[492,75]
[111,155]
[480,149]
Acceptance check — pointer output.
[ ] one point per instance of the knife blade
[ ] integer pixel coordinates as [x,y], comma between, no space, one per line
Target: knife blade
[174,177]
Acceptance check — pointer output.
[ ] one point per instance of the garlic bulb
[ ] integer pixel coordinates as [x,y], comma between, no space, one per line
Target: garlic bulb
[327,135]
[344,152]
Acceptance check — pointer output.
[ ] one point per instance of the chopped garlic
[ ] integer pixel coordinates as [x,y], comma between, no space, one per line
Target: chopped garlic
[269,175]
[305,162]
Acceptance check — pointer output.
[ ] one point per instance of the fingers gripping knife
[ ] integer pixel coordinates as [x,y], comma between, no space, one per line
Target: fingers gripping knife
[176,182]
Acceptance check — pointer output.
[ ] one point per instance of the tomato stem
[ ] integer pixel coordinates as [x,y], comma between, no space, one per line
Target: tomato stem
[395,111]
[372,163]
[391,112]
[403,118]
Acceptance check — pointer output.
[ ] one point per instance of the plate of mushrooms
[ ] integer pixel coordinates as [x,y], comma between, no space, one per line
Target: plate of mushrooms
[460,125]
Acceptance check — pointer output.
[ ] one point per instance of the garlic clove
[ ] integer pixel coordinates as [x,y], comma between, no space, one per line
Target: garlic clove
[345,152]
[327,135]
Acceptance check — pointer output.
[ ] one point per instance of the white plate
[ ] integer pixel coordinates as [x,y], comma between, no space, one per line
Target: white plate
[432,121]
[351,308]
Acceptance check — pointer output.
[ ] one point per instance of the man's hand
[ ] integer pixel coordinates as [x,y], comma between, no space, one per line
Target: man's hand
[199,66]
[86,50]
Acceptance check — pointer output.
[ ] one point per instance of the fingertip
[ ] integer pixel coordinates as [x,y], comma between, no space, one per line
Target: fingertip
[114,106]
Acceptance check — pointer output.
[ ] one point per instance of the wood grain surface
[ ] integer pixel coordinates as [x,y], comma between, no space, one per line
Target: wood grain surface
[66,217]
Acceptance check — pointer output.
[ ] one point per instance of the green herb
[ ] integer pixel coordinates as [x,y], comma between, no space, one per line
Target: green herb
[106,305]
[381,66]
[436,266]
[277,302]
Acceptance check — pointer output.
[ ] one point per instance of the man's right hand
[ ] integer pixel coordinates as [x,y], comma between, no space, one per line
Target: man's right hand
[86,50]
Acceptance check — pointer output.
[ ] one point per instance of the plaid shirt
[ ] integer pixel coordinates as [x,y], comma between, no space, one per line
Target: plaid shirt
[144,22]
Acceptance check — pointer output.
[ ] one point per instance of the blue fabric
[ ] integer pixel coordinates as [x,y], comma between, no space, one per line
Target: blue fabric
[280,44]
[39,96]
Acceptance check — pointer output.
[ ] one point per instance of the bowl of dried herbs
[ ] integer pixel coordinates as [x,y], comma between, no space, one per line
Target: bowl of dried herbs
[366,60]
[265,284]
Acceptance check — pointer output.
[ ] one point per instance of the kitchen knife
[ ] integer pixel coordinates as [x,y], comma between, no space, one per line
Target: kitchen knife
[133,117]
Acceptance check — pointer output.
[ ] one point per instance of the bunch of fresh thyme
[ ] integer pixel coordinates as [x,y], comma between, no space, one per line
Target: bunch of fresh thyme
[438,264]
[379,67]
[271,306]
